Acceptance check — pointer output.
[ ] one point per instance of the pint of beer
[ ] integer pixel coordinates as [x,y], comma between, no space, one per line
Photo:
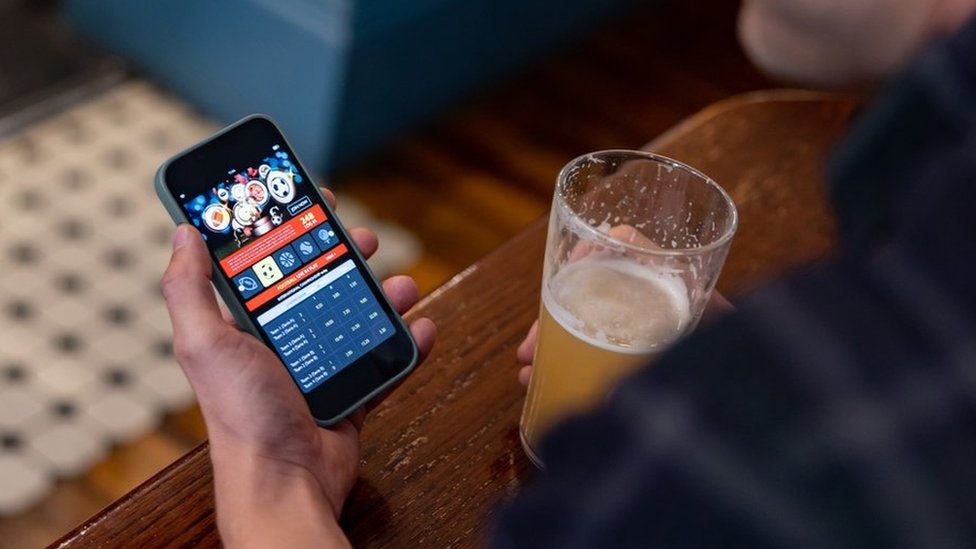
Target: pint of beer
[636,243]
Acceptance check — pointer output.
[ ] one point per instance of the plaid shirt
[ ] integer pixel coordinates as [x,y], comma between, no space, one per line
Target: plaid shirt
[836,408]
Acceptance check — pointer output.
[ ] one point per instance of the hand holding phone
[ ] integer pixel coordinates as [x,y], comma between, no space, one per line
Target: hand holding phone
[286,268]
[269,378]
[266,449]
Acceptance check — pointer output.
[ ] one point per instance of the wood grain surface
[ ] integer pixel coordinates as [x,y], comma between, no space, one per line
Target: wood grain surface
[442,452]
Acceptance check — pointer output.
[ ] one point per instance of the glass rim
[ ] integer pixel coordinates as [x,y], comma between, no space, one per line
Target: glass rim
[560,202]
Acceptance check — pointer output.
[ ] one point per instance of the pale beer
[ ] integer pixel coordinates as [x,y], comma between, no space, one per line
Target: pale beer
[601,317]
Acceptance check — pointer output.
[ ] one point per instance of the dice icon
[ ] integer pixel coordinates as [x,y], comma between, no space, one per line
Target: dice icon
[267,271]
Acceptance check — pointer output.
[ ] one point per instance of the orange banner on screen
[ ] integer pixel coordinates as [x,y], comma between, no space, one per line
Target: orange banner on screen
[294,278]
[278,237]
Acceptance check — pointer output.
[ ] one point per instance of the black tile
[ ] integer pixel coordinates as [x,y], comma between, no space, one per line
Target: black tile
[25,253]
[74,229]
[70,283]
[119,206]
[10,441]
[118,377]
[68,343]
[163,348]
[19,310]
[120,259]
[31,200]
[118,314]
[119,158]
[160,139]
[64,409]
[14,372]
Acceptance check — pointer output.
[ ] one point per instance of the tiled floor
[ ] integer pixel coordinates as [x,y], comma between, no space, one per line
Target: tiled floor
[88,363]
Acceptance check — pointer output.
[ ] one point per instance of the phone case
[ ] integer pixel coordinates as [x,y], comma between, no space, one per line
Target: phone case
[230,298]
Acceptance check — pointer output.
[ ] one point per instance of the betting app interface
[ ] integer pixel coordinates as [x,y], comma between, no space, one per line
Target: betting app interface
[266,227]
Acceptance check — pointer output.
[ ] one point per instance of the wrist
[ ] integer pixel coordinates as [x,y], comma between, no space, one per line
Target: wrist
[250,475]
[267,502]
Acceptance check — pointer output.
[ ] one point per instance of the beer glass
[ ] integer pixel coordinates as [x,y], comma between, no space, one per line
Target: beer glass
[636,243]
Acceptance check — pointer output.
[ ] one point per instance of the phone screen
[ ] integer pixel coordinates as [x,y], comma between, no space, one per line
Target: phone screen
[292,268]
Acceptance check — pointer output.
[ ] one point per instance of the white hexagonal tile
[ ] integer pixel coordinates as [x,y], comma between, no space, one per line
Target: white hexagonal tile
[68,447]
[21,484]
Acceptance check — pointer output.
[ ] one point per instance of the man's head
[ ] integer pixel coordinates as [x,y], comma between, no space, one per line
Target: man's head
[836,43]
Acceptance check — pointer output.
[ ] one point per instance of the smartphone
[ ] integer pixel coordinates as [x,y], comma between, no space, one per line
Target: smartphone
[286,268]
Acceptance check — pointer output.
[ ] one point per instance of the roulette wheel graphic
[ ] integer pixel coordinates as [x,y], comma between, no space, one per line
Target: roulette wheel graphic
[246,212]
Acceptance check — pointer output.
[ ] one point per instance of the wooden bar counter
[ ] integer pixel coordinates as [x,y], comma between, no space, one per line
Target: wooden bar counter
[443,450]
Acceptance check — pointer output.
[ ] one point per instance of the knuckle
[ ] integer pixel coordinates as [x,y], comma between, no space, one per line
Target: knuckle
[204,345]
[186,350]
[170,284]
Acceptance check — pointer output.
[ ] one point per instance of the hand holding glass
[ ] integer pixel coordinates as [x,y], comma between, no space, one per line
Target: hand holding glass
[636,244]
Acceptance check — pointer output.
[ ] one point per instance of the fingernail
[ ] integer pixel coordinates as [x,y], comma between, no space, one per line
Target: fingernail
[181,236]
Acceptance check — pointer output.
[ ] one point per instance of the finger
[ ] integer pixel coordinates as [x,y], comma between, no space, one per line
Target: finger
[330,196]
[524,375]
[357,418]
[580,250]
[401,291]
[365,240]
[630,235]
[620,233]
[526,349]
[424,333]
[186,286]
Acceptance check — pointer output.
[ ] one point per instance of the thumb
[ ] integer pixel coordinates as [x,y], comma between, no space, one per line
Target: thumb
[189,297]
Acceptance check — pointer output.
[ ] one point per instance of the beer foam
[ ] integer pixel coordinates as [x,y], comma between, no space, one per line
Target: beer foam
[618,304]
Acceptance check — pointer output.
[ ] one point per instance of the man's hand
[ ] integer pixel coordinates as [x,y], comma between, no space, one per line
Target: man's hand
[280,479]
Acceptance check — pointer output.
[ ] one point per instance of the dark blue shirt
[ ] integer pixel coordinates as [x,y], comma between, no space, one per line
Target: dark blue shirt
[836,408]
